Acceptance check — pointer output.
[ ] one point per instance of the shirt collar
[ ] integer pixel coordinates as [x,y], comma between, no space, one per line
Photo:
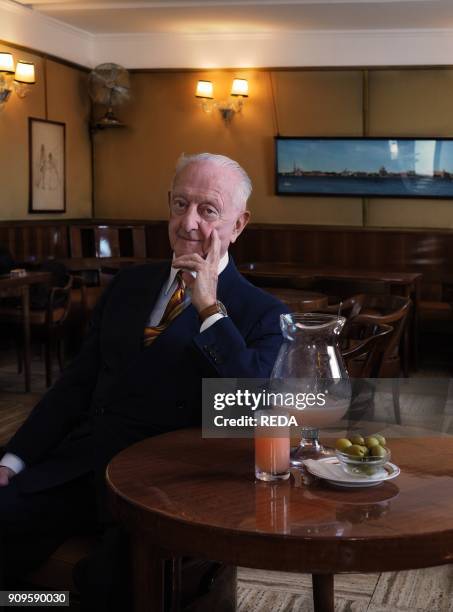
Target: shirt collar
[174,271]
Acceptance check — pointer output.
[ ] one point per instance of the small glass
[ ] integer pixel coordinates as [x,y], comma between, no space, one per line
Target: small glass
[272,445]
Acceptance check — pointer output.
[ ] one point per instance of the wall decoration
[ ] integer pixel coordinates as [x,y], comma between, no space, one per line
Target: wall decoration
[365,167]
[47,159]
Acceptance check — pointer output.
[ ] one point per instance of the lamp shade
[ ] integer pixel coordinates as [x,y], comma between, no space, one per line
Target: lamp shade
[204,89]
[6,63]
[25,73]
[240,87]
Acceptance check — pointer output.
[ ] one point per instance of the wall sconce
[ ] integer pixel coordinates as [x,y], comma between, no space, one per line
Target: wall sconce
[20,78]
[228,108]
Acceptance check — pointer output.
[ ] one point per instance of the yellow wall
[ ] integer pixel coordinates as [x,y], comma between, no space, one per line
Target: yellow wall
[68,102]
[134,165]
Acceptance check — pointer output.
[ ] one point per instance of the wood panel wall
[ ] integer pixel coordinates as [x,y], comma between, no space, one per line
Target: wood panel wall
[427,251]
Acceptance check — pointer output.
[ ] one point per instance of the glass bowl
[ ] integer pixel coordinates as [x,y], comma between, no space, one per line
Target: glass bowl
[362,466]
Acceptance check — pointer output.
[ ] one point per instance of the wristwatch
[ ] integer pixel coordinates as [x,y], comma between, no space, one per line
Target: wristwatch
[217,308]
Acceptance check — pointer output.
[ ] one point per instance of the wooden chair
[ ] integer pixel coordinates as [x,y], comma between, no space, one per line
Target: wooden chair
[108,241]
[362,347]
[47,324]
[387,310]
[349,307]
[381,309]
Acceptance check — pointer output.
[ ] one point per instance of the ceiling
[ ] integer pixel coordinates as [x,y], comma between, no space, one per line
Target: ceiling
[243,16]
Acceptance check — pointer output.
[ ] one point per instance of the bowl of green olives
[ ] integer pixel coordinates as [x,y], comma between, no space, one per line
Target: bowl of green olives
[362,456]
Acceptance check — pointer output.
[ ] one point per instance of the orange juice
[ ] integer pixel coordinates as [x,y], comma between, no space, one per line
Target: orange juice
[271,457]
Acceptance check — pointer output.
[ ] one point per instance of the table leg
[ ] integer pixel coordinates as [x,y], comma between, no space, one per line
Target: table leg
[26,334]
[148,575]
[323,592]
[176,577]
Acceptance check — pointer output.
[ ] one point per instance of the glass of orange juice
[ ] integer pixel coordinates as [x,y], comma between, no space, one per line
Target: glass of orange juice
[272,445]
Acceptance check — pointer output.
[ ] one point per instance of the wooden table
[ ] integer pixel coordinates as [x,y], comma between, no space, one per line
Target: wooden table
[13,285]
[81,264]
[179,494]
[407,284]
[299,300]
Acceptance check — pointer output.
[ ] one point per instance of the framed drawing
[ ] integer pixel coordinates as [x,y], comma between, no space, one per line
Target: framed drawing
[47,166]
[365,167]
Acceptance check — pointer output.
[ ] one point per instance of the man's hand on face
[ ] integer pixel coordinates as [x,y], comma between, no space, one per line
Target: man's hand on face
[204,287]
[6,474]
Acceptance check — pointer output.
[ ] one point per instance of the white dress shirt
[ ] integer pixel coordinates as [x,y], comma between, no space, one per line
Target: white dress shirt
[15,463]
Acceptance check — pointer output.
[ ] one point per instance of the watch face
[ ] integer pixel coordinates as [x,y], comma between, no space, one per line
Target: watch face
[222,308]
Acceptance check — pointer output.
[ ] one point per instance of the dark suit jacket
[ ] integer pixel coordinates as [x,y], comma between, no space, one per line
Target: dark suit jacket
[116,392]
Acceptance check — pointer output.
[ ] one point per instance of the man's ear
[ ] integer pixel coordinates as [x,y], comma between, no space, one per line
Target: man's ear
[241,222]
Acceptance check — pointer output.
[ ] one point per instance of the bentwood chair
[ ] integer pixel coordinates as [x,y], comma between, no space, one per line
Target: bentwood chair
[362,347]
[48,318]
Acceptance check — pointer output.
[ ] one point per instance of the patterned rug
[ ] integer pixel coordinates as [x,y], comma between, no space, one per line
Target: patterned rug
[427,590]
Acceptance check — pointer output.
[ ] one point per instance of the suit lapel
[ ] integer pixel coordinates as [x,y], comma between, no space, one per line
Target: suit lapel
[140,301]
[226,282]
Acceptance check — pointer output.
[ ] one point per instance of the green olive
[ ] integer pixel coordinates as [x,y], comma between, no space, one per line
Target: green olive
[380,439]
[357,439]
[378,451]
[342,444]
[371,441]
[356,450]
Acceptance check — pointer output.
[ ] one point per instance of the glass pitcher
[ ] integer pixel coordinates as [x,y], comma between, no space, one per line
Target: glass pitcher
[309,378]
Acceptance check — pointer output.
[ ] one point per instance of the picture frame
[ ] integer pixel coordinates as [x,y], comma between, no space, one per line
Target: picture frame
[47,166]
[384,167]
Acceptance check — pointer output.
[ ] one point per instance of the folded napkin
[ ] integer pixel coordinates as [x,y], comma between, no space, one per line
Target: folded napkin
[334,471]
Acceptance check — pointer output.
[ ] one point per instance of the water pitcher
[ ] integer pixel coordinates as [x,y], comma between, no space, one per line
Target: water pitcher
[309,378]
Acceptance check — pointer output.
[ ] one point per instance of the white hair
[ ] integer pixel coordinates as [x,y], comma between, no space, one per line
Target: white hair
[244,186]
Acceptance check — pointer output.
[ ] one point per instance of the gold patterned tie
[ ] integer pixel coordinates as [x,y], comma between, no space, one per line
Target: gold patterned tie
[174,307]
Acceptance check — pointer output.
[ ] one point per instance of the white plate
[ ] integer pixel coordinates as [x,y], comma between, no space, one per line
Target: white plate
[338,477]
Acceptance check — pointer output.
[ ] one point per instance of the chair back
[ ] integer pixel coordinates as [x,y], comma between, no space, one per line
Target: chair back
[387,310]
[362,347]
[108,241]
[59,299]
[349,307]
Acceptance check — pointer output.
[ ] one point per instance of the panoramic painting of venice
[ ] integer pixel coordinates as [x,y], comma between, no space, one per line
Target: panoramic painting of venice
[383,167]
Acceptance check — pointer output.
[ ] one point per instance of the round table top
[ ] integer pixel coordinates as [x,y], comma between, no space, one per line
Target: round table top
[199,496]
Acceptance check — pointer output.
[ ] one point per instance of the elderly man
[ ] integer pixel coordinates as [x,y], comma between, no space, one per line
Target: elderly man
[155,324]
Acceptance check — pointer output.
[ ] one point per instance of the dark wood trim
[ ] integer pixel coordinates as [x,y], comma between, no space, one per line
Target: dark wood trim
[254,226]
